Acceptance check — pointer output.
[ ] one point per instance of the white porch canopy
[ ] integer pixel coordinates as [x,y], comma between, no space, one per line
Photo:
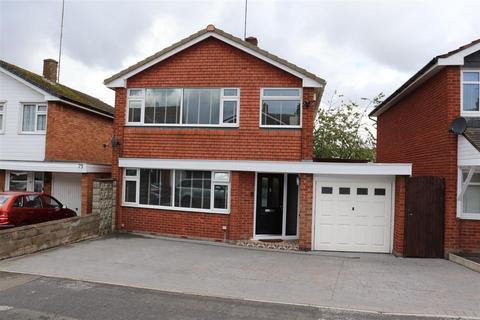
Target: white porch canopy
[54,166]
[309,167]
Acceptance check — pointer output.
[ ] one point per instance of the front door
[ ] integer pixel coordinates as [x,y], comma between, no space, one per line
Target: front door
[269,216]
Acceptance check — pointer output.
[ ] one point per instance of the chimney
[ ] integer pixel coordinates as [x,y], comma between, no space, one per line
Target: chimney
[50,69]
[252,40]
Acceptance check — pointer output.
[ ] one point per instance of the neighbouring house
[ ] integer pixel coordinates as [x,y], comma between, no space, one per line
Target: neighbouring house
[213,139]
[52,138]
[433,122]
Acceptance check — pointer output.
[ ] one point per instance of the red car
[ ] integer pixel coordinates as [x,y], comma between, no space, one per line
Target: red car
[23,208]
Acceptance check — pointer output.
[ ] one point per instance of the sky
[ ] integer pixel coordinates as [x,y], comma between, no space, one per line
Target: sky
[361,48]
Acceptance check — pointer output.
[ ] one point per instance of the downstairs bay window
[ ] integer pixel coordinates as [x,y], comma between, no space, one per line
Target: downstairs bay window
[185,190]
[469,194]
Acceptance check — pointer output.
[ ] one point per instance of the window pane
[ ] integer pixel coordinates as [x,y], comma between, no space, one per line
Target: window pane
[327,190]
[131,172]
[281,92]
[155,187]
[230,92]
[38,183]
[264,192]
[201,106]
[41,122]
[471,199]
[130,191]
[134,110]
[471,76]
[28,118]
[42,108]
[362,191]
[379,191]
[135,92]
[344,190]
[230,112]
[18,181]
[172,112]
[471,94]
[192,189]
[50,202]
[220,197]
[163,105]
[221,176]
[33,201]
[1,122]
[278,112]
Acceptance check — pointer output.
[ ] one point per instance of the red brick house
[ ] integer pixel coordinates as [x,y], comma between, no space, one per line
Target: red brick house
[414,126]
[213,139]
[52,138]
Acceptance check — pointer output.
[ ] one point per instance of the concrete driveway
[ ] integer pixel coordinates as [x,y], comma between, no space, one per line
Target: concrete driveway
[374,282]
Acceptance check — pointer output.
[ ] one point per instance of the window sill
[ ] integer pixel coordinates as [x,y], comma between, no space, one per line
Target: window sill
[186,210]
[469,216]
[280,127]
[32,133]
[470,113]
[177,126]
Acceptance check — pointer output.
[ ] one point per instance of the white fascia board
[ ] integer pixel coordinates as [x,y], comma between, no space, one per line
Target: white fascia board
[271,166]
[122,83]
[54,166]
[457,59]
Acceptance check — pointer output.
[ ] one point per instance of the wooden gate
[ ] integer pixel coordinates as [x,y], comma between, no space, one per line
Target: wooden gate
[425,212]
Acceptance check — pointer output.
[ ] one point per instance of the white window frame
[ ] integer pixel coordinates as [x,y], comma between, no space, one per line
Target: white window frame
[181,124]
[37,113]
[137,204]
[462,188]
[299,97]
[3,113]
[462,82]
[30,180]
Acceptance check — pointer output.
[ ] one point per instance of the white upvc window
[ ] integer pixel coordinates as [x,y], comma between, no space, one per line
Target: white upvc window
[470,92]
[2,118]
[34,118]
[281,107]
[181,190]
[468,193]
[188,107]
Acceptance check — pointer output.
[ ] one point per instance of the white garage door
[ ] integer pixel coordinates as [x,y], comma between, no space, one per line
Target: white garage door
[67,188]
[353,215]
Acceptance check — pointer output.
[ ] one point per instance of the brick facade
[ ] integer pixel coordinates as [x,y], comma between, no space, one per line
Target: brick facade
[415,130]
[77,135]
[211,63]
[306,211]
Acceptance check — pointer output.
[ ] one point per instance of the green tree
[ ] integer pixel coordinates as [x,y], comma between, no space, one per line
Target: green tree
[343,129]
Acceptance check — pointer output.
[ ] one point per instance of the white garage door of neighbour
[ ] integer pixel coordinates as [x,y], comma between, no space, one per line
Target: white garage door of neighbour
[67,188]
[353,215]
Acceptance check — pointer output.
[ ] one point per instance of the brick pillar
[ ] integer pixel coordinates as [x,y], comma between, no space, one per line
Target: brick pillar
[399,212]
[241,206]
[306,212]
[87,193]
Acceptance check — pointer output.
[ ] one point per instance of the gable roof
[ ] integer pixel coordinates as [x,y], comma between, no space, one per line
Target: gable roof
[454,57]
[309,78]
[58,90]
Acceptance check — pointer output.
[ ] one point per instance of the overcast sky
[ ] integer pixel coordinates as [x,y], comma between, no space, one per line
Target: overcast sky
[360,47]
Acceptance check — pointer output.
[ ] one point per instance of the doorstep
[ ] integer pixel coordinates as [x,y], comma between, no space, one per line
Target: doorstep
[468,260]
[286,245]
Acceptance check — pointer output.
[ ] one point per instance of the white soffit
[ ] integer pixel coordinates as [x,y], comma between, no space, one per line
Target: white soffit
[272,166]
[121,81]
[53,166]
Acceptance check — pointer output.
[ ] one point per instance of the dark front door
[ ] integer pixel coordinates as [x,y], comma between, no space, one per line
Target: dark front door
[269,217]
[424,227]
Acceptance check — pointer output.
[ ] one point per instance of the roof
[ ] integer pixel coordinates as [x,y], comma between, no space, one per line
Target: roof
[472,133]
[211,30]
[427,69]
[59,90]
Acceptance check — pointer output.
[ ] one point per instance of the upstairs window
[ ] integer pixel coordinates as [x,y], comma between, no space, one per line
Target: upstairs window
[2,118]
[34,118]
[470,91]
[183,107]
[281,108]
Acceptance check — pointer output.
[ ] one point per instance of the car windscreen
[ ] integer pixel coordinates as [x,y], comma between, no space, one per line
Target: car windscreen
[3,199]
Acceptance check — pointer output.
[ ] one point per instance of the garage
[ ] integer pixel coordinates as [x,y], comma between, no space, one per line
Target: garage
[67,188]
[353,214]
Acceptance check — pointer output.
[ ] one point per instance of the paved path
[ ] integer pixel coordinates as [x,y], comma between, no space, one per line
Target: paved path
[358,281]
[24,297]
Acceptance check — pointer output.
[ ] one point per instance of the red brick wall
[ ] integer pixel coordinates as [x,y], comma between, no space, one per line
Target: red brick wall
[306,211]
[211,63]
[77,135]
[2,180]
[415,130]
